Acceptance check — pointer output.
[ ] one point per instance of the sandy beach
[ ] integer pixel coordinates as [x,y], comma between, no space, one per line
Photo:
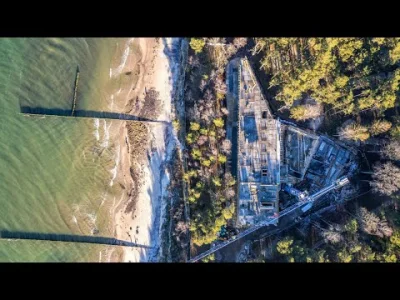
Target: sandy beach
[142,148]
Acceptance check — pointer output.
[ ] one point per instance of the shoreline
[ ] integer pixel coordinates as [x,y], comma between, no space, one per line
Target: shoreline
[141,171]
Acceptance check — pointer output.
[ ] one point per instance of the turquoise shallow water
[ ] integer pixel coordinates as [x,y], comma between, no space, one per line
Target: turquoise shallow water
[54,173]
[37,251]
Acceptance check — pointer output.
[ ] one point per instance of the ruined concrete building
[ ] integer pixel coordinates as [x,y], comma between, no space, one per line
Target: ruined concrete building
[269,153]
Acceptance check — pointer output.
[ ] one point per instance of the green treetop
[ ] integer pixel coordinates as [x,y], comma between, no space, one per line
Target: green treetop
[379,127]
[203,131]
[216,181]
[206,162]
[197,44]
[196,154]
[284,246]
[194,126]
[352,226]
[221,158]
[219,122]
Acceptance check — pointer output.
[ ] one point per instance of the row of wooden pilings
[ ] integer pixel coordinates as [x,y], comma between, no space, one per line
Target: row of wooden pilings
[75,91]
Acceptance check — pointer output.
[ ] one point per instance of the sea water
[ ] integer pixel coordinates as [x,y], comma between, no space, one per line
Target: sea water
[56,174]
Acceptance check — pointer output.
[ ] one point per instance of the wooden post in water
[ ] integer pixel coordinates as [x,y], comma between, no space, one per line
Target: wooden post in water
[75,91]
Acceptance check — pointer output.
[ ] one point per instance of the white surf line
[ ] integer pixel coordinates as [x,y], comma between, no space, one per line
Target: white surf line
[96,126]
[106,134]
[103,199]
[114,171]
[112,102]
[124,58]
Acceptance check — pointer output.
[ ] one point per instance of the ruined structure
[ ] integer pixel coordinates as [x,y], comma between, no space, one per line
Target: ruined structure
[271,155]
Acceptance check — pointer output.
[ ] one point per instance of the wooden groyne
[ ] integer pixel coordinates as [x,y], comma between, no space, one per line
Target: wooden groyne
[69,238]
[85,114]
[75,91]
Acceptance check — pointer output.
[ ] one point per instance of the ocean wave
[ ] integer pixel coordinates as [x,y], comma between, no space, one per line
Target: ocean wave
[103,199]
[124,59]
[92,217]
[114,170]
[112,102]
[106,138]
[96,127]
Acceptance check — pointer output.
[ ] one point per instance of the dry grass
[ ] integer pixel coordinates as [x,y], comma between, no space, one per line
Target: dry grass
[138,137]
[151,105]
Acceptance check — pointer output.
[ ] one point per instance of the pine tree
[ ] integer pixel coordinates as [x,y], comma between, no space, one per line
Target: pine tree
[392,150]
[386,178]
[355,132]
[379,127]
[304,112]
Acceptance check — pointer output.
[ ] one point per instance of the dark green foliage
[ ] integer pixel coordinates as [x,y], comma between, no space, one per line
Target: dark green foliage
[350,74]
[211,195]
